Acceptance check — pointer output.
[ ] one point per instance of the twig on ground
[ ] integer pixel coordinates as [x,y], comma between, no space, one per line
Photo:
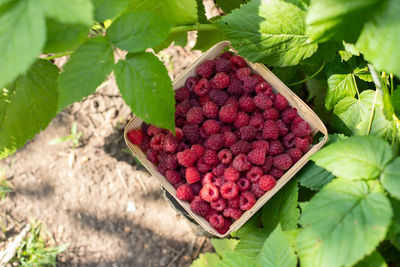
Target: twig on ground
[11,249]
[176,257]
[197,252]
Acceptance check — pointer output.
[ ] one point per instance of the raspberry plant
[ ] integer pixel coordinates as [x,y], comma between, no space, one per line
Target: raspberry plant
[339,56]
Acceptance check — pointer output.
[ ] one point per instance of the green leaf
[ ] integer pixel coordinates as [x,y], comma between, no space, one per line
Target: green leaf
[373,260]
[394,230]
[314,177]
[249,226]
[27,106]
[179,39]
[277,251]
[251,243]
[396,100]
[338,19]
[68,11]
[146,87]
[287,74]
[201,12]
[260,33]
[229,5]
[362,72]
[178,12]
[223,246]
[87,68]
[63,37]
[342,223]
[390,178]
[23,34]
[237,260]
[206,260]
[109,9]
[206,39]
[357,157]
[380,36]
[135,31]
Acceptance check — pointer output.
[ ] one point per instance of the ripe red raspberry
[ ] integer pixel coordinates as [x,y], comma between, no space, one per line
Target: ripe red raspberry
[246,104]
[263,88]
[184,192]
[289,114]
[210,110]
[196,187]
[178,184]
[204,99]
[232,213]
[301,129]
[190,82]
[235,86]
[254,174]
[206,69]
[219,204]
[240,147]
[231,174]
[246,200]
[168,161]
[229,190]
[242,120]
[243,184]
[192,175]
[219,181]
[181,109]
[270,130]
[256,121]
[238,61]
[217,221]
[218,170]
[211,127]
[135,136]
[169,143]
[267,182]
[208,178]
[179,121]
[226,55]
[210,157]
[153,130]
[302,144]
[178,134]
[271,114]
[247,132]
[233,203]
[191,133]
[223,65]
[198,149]
[229,138]
[209,192]
[241,163]
[225,228]
[295,154]
[280,102]
[275,147]
[249,84]
[243,73]
[232,101]
[283,130]
[221,80]
[215,142]
[152,156]
[228,114]
[145,144]
[257,77]
[283,162]
[172,176]
[202,87]
[257,156]
[199,207]
[277,173]
[262,101]
[260,144]
[256,190]
[187,157]
[288,140]
[225,156]
[156,142]
[218,97]
[182,94]
[267,164]
[203,134]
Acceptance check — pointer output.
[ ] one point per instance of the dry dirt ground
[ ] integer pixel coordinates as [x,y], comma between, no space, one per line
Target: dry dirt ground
[96,197]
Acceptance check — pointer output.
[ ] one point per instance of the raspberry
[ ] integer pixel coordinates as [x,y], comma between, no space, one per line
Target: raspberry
[263,88]
[225,228]
[182,108]
[221,80]
[153,130]
[169,161]
[152,156]
[302,144]
[135,136]
[210,157]
[210,110]
[275,147]
[199,207]
[267,182]
[257,77]
[232,213]
[277,173]
[231,174]
[229,138]
[247,132]
[232,101]
[206,69]
[243,73]
[262,101]
[229,190]
[187,157]
[218,97]
[246,104]
[256,190]
[283,130]
[246,200]
[211,127]
[208,178]
[241,163]
[238,61]
[233,203]
[254,174]
[271,114]
[182,94]
[243,184]
[219,181]
[256,121]
[219,204]
[209,192]
[295,154]
[179,121]
[182,146]
[223,65]
[301,129]
[235,86]
[145,144]
[215,142]
[270,130]
[288,140]
[192,175]
[170,143]
[257,156]
[202,87]
[196,187]
[198,149]
[296,120]
[280,102]
[226,55]
[283,162]
[260,144]
[218,170]
[204,99]
[288,115]
[190,82]
[210,213]
[178,134]
[217,221]
[242,120]
[203,134]
[178,185]
[249,84]
[156,142]
[184,192]
[191,133]
[225,156]
[240,147]
[228,114]
[172,176]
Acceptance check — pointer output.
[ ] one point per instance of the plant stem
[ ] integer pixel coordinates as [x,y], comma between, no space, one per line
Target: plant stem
[371,118]
[194,27]
[391,84]
[62,54]
[355,84]
[309,77]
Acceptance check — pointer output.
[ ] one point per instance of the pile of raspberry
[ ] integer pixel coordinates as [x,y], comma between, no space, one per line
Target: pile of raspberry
[234,139]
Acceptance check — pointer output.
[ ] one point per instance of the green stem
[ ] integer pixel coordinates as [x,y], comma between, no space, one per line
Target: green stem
[194,27]
[371,118]
[355,84]
[62,54]
[309,77]
[391,84]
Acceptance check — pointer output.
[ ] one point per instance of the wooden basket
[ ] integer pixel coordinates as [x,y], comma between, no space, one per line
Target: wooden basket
[303,110]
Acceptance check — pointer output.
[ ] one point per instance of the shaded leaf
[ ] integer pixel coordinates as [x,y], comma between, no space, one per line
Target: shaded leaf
[251,243]
[223,246]
[206,260]
[229,5]
[390,178]
[373,260]
[237,260]
[314,177]
[206,39]
[109,9]
[69,11]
